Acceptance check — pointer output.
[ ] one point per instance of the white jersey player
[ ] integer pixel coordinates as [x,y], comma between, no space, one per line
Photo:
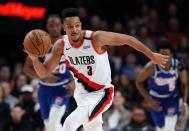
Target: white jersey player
[87,59]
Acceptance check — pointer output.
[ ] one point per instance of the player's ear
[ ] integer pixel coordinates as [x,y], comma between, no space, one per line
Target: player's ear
[63,27]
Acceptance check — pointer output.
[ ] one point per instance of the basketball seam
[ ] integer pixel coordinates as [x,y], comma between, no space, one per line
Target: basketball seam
[34,45]
[42,42]
[37,39]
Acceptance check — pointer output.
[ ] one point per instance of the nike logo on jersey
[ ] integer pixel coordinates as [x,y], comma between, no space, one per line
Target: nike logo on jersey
[86,47]
[68,48]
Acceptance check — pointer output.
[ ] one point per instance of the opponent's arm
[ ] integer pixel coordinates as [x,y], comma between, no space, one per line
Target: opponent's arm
[43,70]
[29,70]
[141,77]
[184,81]
[102,38]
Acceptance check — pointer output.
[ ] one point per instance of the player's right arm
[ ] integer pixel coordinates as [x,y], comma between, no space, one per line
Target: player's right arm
[43,70]
[141,78]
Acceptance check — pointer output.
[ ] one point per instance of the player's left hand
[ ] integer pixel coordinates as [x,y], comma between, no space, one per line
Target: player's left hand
[160,59]
[182,109]
[182,116]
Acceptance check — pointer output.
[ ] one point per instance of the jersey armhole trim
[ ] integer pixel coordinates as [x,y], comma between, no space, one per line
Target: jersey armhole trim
[93,45]
[155,67]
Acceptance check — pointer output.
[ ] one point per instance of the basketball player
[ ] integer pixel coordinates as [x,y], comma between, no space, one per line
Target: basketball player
[52,90]
[87,59]
[164,85]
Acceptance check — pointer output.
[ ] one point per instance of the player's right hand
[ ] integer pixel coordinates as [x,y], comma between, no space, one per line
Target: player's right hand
[160,59]
[32,56]
[154,105]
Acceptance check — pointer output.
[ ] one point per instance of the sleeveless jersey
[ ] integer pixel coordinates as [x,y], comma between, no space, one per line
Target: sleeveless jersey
[90,69]
[165,83]
[60,71]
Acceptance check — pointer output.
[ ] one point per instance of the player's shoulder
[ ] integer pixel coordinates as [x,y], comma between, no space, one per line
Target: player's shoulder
[150,65]
[98,33]
[149,68]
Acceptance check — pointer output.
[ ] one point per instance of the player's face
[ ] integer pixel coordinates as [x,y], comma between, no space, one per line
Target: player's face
[54,27]
[72,27]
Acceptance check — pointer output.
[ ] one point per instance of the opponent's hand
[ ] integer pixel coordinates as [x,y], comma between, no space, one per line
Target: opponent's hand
[32,56]
[160,59]
[182,118]
[154,105]
[182,109]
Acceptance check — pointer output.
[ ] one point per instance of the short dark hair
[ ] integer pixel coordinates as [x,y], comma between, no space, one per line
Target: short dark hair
[52,16]
[164,44]
[70,12]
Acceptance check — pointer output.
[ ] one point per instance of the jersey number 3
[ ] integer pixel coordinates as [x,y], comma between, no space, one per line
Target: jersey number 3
[89,70]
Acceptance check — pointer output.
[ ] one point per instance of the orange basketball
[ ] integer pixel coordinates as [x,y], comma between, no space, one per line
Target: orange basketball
[37,42]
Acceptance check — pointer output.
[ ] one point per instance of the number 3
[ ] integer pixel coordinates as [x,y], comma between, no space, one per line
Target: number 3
[89,70]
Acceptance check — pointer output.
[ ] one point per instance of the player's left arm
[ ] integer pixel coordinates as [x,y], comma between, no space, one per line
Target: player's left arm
[103,38]
[184,80]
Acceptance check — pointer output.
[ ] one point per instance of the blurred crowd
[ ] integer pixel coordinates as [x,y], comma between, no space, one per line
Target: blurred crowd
[19,108]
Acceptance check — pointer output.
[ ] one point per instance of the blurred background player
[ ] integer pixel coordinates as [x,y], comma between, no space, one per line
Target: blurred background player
[52,90]
[165,85]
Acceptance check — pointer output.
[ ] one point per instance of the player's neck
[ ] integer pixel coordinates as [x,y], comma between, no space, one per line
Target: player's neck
[168,67]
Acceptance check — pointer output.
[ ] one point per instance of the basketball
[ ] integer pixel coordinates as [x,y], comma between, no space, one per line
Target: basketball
[37,42]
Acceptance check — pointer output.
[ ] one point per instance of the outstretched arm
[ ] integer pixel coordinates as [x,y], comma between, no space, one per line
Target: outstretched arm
[43,70]
[102,38]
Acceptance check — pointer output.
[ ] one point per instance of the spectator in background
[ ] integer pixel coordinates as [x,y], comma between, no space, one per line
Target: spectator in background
[5,74]
[173,33]
[104,25]
[118,27]
[27,101]
[18,68]
[172,10]
[183,48]
[95,22]
[145,38]
[20,81]
[143,18]
[131,27]
[84,17]
[187,67]
[124,84]
[115,60]
[18,122]
[154,26]
[118,116]
[9,98]
[37,120]
[129,66]
[4,110]
[138,122]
